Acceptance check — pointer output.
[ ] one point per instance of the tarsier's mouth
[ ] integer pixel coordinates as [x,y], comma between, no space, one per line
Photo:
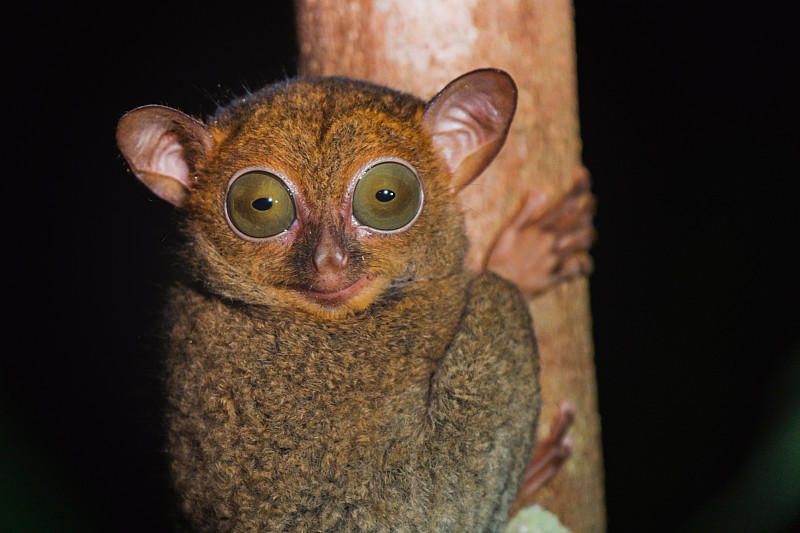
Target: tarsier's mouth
[339,295]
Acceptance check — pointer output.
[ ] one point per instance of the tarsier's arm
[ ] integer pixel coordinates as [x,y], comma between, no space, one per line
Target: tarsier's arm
[484,401]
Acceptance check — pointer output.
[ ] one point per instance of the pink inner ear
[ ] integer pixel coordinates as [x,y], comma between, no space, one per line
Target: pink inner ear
[464,126]
[167,157]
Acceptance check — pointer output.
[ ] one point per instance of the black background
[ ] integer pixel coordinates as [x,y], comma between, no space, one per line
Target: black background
[689,122]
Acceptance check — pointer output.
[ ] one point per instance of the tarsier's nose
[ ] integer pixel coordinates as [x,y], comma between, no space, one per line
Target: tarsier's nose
[329,255]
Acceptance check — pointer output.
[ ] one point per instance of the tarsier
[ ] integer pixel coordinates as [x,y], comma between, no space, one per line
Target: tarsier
[332,364]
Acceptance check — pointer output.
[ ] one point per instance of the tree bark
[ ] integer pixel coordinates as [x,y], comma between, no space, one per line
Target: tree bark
[419,46]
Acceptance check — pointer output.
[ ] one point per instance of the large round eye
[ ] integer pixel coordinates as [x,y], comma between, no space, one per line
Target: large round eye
[259,205]
[387,197]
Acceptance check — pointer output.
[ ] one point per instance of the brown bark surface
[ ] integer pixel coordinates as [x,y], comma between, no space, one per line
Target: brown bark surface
[419,46]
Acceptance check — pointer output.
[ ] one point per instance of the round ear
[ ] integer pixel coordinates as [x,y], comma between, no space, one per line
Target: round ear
[469,119]
[163,147]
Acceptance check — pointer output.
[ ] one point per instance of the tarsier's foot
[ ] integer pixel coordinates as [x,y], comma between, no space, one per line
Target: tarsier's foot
[547,241]
[546,459]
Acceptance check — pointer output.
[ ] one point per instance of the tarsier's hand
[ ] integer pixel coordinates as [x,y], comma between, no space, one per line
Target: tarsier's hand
[547,240]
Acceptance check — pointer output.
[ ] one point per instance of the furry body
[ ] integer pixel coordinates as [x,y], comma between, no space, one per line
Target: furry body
[362,425]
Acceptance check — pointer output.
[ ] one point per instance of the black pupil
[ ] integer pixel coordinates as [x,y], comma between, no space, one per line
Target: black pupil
[385,195]
[262,204]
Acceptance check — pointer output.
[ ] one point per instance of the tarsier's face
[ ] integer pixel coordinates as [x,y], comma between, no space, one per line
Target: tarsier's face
[327,196]
[328,255]
[322,198]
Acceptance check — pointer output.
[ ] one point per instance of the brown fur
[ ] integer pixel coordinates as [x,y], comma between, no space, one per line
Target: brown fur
[410,408]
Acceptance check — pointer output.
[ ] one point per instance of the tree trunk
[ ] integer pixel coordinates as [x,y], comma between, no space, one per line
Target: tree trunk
[419,46]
